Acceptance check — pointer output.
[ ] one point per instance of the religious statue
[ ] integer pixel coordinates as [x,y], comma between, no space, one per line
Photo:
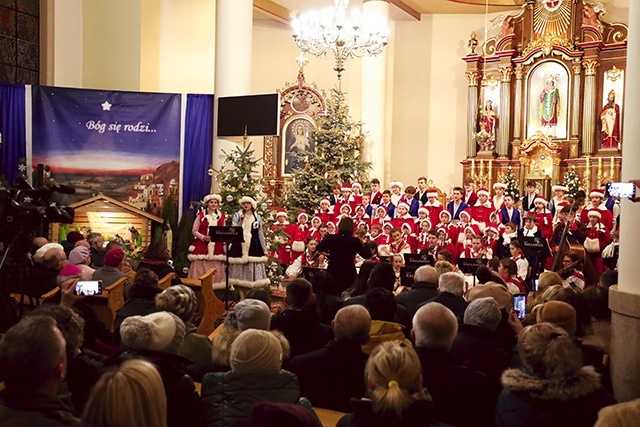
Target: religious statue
[549,106]
[591,14]
[486,137]
[507,27]
[473,42]
[610,118]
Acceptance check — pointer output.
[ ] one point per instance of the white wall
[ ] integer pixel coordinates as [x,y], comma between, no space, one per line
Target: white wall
[66,47]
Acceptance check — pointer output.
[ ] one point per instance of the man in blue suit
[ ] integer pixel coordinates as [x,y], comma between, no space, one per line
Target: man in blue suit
[456,205]
[509,213]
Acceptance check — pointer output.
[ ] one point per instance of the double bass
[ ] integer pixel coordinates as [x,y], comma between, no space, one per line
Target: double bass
[570,243]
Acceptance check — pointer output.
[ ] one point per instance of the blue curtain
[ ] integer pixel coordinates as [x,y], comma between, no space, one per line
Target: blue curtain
[198,146]
[12,128]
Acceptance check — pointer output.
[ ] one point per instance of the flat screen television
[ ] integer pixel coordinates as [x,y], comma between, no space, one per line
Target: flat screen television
[259,114]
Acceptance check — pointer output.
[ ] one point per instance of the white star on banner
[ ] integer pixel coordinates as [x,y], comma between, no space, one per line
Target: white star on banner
[22,168]
[106,106]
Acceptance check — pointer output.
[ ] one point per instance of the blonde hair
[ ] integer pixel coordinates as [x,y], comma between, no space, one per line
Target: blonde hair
[444,267]
[131,395]
[393,375]
[549,351]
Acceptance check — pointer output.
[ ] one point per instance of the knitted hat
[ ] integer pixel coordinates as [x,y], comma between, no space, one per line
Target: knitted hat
[74,236]
[482,191]
[271,414]
[559,313]
[161,331]
[491,289]
[252,314]
[596,192]
[212,197]
[484,313]
[255,350]
[499,185]
[114,257]
[179,300]
[559,188]
[39,255]
[70,270]
[78,255]
[248,199]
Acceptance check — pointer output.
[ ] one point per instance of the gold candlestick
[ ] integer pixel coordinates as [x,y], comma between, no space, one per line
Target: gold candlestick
[611,169]
[473,168]
[587,174]
[599,168]
[489,178]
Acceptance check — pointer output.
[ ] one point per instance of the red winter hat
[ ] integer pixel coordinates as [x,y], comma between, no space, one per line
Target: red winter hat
[303,213]
[325,199]
[281,212]
[114,257]
[70,270]
[482,191]
[465,213]
[597,193]
[346,187]
[540,200]
[432,192]
[74,236]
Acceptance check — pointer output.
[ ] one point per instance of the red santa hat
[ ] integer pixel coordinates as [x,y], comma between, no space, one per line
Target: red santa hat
[325,201]
[346,205]
[346,187]
[396,184]
[491,229]
[594,212]
[423,210]
[404,205]
[482,191]
[473,228]
[596,192]
[540,200]
[406,225]
[499,185]
[303,213]
[432,192]
[445,213]
[465,213]
[381,207]
[316,217]
[281,212]
[555,188]
[387,224]
[356,184]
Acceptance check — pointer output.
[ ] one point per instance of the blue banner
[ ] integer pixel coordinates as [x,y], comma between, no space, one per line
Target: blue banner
[123,144]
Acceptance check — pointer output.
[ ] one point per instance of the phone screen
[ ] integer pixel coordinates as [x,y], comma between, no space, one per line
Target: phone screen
[170,263]
[535,285]
[621,190]
[89,287]
[519,305]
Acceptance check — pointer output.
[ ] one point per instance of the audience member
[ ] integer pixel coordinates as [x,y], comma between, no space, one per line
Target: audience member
[157,337]
[424,288]
[361,284]
[625,414]
[554,388]
[256,376]
[451,289]
[181,301]
[382,306]
[141,299]
[396,393]
[33,364]
[434,331]
[110,272]
[130,395]
[300,323]
[326,295]
[341,361]
[81,257]
[45,273]
[73,237]
[269,414]
[156,259]
[97,250]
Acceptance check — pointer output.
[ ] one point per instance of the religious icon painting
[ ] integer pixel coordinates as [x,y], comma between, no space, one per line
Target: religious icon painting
[611,112]
[298,139]
[547,100]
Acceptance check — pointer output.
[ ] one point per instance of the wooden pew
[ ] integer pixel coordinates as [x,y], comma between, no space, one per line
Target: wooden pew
[25,300]
[328,418]
[111,300]
[165,282]
[210,307]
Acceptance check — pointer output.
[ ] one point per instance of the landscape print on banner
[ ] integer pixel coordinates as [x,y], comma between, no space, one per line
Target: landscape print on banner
[125,145]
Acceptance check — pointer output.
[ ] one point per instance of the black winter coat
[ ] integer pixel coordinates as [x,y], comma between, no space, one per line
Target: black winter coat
[421,413]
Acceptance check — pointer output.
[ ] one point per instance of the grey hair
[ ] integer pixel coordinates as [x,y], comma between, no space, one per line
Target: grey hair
[452,283]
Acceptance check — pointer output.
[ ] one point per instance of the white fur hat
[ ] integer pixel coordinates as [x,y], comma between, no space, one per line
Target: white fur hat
[559,188]
[594,212]
[212,196]
[248,199]
[597,193]
[499,185]
[396,183]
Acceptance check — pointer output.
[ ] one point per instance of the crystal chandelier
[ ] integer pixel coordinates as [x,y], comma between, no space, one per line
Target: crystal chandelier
[331,31]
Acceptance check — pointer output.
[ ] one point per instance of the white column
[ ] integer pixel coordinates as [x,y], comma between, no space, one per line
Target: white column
[589,110]
[374,90]
[504,110]
[629,270]
[234,27]
[624,299]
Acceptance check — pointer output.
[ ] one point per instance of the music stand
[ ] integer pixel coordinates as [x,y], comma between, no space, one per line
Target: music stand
[535,249]
[417,260]
[226,234]
[470,266]
[406,276]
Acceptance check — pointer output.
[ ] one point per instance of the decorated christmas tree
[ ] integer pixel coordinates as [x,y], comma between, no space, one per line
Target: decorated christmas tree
[572,182]
[239,177]
[512,184]
[336,158]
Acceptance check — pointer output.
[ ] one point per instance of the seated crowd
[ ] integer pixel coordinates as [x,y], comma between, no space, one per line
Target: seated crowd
[437,352]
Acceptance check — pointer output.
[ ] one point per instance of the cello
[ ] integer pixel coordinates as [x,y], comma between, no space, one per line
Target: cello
[570,243]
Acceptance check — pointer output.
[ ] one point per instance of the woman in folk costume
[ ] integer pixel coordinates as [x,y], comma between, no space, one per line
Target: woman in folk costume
[557,201]
[246,259]
[397,246]
[283,253]
[597,239]
[465,221]
[544,218]
[203,253]
[445,222]
[298,235]
[409,236]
